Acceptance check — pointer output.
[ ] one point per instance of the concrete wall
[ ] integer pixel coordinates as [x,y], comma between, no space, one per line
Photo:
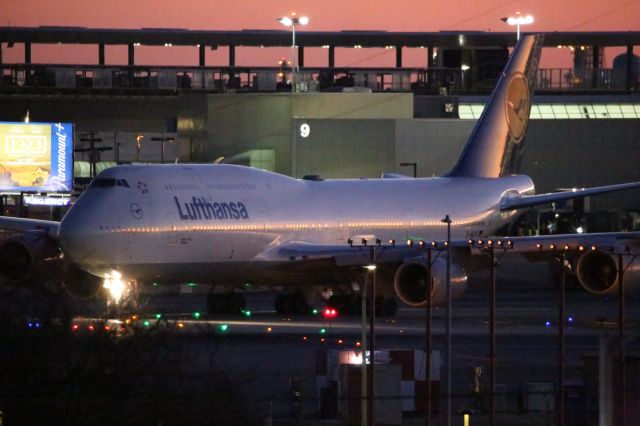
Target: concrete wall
[434,144]
[97,113]
[345,148]
[238,123]
[557,154]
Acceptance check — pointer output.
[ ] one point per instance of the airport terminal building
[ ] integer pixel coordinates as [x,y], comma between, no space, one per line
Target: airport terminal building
[338,122]
[326,122]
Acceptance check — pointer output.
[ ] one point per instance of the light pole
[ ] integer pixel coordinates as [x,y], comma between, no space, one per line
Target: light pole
[447,220]
[517,21]
[292,22]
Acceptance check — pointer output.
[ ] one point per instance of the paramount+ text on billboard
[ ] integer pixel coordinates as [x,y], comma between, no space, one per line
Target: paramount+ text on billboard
[36,157]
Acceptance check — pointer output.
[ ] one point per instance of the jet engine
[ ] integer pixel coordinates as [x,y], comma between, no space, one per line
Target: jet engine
[410,281]
[33,258]
[28,258]
[598,273]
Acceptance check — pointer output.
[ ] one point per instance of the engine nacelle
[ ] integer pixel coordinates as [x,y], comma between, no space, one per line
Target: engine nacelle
[33,258]
[27,258]
[598,273]
[410,281]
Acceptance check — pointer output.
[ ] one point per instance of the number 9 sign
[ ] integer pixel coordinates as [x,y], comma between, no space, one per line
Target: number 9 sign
[305,130]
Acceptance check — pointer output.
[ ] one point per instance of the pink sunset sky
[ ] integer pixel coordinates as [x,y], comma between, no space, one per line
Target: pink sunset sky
[325,15]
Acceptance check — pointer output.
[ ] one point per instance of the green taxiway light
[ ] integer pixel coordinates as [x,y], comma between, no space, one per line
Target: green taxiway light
[224,327]
[146,323]
[158,316]
[314,311]
[247,313]
[323,331]
[197,315]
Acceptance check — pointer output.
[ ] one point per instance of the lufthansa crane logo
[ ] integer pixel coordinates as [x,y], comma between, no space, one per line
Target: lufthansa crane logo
[517,106]
[136,210]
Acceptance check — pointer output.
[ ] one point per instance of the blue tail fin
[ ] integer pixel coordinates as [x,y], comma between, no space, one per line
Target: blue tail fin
[494,145]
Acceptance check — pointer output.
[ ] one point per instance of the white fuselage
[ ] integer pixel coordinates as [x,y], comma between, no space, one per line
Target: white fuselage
[209,222]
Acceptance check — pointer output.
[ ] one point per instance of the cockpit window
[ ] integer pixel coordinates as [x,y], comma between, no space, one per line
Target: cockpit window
[109,183]
[103,183]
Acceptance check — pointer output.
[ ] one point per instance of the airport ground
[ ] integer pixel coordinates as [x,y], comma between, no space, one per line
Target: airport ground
[187,368]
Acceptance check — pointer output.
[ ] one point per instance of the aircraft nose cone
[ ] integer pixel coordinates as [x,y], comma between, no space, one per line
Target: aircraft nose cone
[74,235]
[69,237]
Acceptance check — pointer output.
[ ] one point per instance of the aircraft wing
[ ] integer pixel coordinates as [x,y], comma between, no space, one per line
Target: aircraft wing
[345,255]
[20,224]
[517,202]
[604,241]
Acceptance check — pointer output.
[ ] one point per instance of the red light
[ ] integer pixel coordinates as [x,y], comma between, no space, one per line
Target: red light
[322,340]
[330,313]
[107,328]
[91,328]
[305,338]
[340,341]
[358,344]
[75,327]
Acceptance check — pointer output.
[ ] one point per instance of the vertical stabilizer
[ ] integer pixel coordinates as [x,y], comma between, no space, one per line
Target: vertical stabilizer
[494,145]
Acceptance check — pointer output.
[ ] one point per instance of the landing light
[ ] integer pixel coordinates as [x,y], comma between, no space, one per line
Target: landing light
[115,285]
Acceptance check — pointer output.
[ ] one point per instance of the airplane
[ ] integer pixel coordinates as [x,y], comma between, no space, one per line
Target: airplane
[233,225]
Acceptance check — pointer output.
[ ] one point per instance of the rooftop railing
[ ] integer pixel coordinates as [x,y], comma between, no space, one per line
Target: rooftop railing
[443,81]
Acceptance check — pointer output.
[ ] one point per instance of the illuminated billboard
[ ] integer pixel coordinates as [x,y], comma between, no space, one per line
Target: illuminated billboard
[36,157]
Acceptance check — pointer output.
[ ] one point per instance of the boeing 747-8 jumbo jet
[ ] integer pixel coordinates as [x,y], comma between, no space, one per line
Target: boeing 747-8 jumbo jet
[230,225]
